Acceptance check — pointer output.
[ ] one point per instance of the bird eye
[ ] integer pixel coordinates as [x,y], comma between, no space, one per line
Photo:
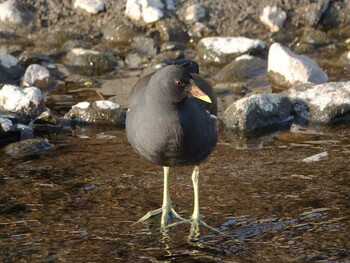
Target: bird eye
[179,83]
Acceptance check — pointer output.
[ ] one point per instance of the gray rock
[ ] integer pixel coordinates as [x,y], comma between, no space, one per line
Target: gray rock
[33,57]
[324,103]
[90,62]
[16,16]
[38,76]
[146,45]
[25,131]
[287,68]
[27,102]
[10,68]
[5,125]
[259,112]
[171,30]
[27,148]
[119,35]
[242,68]
[10,132]
[224,49]
[90,6]
[98,112]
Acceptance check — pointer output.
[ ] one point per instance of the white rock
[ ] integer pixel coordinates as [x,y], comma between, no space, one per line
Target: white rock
[90,6]
[28,101]
[316,157]
[106,104]
[148,11]
[10,13]
[292,67]
[273,17]
[8,61]
[82,51]
[82,105]
[35,72]
[231,45]
[195,13]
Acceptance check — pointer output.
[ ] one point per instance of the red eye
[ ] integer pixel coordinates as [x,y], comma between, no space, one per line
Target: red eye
[179,83]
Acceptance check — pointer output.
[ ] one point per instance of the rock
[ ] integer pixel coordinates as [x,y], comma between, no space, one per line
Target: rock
[27,102]
[10,68]
[10,132]
[147,11]
[90,62]
[38,76]
[90,6]
[316,158]
[195,13]
[46,122]
[224,49]
[32,57]
[98,112]
[287,68]
[324,103]
[146,45]
[315,37]
[273,17]
[120,35]
[260,112]
[242,68]
[27,148]
[10,13]
[172,30]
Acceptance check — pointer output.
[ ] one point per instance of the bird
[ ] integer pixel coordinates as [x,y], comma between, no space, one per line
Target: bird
[171,121]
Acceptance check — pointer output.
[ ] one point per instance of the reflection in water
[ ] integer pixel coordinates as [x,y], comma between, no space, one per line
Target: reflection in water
[78,202]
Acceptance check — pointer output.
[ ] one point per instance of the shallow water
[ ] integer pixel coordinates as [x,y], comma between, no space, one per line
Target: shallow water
[77,202]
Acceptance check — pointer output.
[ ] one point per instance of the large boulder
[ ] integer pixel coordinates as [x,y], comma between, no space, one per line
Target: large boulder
[259,113]
[27,102]
[324,103]
[287,68]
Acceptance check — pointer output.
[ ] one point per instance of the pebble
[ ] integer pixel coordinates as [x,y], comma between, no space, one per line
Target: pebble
[10,68]
[27,102]
[287,68]
[273,17]
[148,11]
[323,103]
[90,6]
[316,157]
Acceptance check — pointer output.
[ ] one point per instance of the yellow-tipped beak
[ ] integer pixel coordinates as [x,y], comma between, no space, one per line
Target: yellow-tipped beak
[198,93]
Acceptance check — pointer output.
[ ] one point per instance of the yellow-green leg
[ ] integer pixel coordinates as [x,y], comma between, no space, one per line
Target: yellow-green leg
[167,209]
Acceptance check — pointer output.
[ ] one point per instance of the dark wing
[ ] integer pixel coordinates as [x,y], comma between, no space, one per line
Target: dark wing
[137,89]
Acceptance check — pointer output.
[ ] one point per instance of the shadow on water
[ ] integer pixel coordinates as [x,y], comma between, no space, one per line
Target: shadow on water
[78,201]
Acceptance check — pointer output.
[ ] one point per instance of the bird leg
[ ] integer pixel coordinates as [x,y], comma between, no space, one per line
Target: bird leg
[167,210]
[196,218]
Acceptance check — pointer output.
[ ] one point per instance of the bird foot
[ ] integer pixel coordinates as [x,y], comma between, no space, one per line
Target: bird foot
[168,213]
[195,223]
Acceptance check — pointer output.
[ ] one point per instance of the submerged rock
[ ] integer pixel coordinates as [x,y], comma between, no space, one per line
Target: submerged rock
[324,103]
[273,17]
[10,132]
[243,67]
[259,113]
[287,68]
[224,49]
[99,112]
[27,102]
[90,62]
[26,148]
[46,122]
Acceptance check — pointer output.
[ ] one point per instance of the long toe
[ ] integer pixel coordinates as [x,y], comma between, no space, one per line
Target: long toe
[168,214]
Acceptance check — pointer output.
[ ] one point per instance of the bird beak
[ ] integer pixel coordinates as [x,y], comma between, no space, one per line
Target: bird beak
[198,93]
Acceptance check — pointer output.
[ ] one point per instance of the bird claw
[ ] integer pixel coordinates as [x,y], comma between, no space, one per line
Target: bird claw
[168,213]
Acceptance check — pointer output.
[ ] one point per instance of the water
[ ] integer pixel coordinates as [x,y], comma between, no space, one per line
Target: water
[77,203]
